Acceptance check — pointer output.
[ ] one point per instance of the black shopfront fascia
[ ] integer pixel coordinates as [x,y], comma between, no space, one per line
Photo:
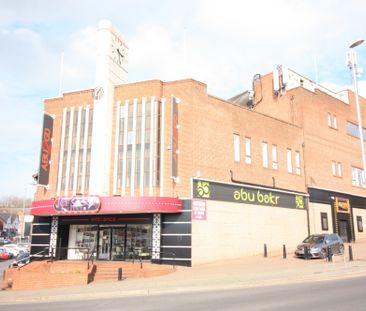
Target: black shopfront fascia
[330,197]
[327,196]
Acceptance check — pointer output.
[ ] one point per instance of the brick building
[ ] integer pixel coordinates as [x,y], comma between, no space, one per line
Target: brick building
[166,171]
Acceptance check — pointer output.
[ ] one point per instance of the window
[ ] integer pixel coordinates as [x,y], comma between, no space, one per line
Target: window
[236,148]
[335,123]
[297,162]
[76,125]
[289,161]
[274,157]
[332,121]
[352,129]
[264,154]
[358,178]
[339,166]
[359,224]
[248,152]
[324,221]
[334,168]
[329,119]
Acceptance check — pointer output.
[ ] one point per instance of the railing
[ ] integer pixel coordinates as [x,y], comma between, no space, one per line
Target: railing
[164,253]
[81,253]
[59,253]
[92,257]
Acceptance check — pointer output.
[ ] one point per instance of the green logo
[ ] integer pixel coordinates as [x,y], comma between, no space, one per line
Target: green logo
[299,201]
[203,189]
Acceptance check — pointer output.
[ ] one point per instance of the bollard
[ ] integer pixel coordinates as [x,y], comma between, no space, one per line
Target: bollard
[119,274]
[306,252]
[284,252]
[350,252]
[329,254]
[265,250]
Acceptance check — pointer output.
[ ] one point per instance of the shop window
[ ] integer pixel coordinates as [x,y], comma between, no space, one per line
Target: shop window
[359,224]
[324,221]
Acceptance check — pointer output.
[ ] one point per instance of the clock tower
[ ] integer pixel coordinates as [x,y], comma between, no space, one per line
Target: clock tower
[111,70]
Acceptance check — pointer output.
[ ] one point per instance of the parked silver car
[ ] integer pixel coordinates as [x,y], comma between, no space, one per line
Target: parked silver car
[318,244]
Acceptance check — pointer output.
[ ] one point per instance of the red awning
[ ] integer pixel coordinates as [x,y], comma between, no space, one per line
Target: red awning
[112,205]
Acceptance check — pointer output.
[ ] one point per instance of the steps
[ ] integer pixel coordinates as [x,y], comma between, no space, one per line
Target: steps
[108,270]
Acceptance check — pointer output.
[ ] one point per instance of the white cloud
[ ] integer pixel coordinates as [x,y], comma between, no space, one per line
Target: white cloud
[79,60]
[155,53]
[227,42]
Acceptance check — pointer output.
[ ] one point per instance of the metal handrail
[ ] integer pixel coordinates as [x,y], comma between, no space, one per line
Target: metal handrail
[58,249]
[166,253]
[91,256]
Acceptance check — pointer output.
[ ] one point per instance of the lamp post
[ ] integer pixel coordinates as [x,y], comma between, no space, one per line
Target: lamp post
[352,64]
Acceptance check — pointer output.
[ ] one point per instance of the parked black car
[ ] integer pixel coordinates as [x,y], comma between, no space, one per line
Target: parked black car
[318,244]
[22,259]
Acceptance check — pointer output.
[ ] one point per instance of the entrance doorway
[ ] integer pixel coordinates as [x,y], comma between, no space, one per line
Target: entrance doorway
[118,242]
[124,242]
[111,244]
[344,229]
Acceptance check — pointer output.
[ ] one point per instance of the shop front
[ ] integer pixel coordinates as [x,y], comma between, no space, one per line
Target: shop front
[113,228]
[113,237]
[335,212]
[232,220]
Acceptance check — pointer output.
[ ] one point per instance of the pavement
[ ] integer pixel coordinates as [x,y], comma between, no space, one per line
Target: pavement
[236,273]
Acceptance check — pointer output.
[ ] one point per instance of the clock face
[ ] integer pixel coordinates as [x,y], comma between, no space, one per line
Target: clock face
[98,92]
[118,52]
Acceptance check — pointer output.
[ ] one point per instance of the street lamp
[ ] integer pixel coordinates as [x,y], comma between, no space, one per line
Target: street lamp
[352,64]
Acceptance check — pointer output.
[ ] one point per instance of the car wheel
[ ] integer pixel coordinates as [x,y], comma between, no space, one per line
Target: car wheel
[324,253]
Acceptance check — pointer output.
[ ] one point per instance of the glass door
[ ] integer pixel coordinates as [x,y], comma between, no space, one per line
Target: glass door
[118,245]
[343,230]
[104,247]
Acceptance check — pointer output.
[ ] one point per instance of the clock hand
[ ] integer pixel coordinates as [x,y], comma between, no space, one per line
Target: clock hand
[120,56]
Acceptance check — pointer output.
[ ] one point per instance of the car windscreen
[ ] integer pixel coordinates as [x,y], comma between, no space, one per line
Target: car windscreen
[314,239]
[21,256]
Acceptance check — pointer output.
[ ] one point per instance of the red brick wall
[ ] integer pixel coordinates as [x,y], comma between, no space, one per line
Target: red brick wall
[296,120]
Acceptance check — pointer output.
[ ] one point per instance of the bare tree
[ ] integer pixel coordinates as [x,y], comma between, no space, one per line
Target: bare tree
[14,203]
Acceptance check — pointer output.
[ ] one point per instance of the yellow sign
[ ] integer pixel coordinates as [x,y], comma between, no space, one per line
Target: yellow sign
[342,205]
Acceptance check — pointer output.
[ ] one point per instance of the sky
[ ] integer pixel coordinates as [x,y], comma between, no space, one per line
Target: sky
[221,43]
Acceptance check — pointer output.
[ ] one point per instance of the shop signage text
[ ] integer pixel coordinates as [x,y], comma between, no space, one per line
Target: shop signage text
[240,194]
[44,166]
[199,210]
